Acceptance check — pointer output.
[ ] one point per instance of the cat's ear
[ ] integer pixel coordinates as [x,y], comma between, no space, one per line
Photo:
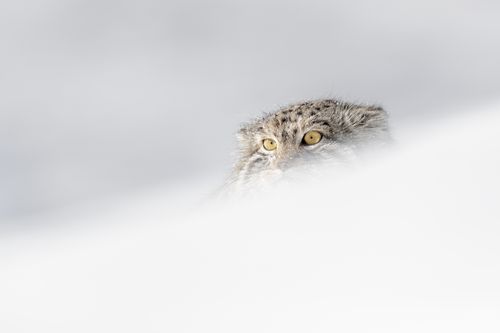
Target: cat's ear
[243,134]
[365,116]
[248,131]
[246,136]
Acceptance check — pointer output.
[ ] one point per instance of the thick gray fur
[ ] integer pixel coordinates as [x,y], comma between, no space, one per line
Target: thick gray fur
[346,128]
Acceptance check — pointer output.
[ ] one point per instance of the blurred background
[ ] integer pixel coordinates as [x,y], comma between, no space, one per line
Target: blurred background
[106,97]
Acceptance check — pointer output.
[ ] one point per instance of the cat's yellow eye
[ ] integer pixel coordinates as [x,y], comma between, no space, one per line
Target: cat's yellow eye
[269,144]
[312,138]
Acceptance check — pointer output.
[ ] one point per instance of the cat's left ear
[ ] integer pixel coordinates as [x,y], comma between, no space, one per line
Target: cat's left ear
[367,116]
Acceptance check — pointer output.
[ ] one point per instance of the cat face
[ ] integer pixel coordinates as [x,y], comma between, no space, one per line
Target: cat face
[306,133]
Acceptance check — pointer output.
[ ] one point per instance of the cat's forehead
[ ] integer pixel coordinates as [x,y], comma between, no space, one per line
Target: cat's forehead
[303,110]
[291,118]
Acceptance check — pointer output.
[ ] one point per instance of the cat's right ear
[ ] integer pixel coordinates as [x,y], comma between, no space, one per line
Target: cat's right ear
[247,131]
[246,136]
[242,134]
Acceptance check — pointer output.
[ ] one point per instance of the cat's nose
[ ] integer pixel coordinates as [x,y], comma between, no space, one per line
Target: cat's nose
[286,161]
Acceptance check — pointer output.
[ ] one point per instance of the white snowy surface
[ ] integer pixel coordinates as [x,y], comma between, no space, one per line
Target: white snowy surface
[407,243]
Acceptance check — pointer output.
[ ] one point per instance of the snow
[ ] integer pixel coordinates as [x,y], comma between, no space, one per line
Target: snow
[406,243]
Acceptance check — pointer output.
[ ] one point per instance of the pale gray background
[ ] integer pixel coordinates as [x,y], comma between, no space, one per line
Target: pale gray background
[103,96]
